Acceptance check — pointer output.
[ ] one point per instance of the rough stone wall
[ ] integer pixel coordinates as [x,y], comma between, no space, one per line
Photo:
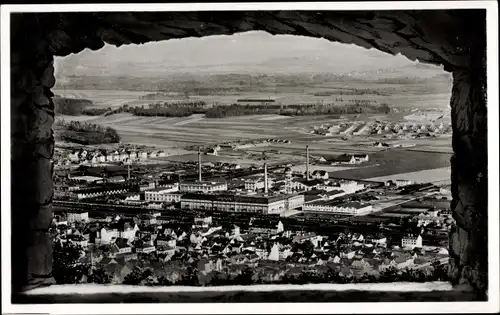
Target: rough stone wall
[454,39]
[32,115]
[468,240]
[437,36]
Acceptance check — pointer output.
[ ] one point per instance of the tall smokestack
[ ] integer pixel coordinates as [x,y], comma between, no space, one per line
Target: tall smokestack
[128,171]
[199,164]
[265,179]
[307,162]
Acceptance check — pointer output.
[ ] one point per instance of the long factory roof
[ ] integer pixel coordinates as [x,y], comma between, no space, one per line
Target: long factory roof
[225,197]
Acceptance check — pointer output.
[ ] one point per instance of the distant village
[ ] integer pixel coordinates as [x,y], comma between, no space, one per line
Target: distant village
[404,129]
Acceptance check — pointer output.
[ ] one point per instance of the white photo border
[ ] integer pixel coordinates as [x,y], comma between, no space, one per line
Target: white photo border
[293,308]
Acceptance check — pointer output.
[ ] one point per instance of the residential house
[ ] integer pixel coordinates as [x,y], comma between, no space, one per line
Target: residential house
[212,152]
[411,241]
[205,266]
[122,245]
[352,159]
[320,174]
[203,222]
[258,226]
[77,216]
[132,155]
[145,247]
[123,156]
[166,241]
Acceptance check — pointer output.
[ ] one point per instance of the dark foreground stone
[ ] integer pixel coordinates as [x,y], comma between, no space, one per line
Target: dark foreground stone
[298,296]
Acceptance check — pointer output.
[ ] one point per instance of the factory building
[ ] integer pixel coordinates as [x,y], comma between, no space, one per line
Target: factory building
[77,216]
[255,203]
[348,186]
[202,186]
[334,207]
[97,192]
[257,183]
[161,193]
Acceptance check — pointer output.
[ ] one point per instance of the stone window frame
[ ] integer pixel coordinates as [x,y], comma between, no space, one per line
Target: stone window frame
[445,37]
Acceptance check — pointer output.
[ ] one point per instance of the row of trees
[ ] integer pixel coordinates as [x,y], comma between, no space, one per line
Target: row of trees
[352,91]
[158,96]
[96,111]
[354,107]
[176,109]
[85,133]
[188,108]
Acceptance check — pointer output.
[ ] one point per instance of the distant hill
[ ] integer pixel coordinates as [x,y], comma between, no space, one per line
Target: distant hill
[245,63]
[247,53]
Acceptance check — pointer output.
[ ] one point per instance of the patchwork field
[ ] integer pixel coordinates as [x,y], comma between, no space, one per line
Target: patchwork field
[182,131]
[402,98]
[179,132]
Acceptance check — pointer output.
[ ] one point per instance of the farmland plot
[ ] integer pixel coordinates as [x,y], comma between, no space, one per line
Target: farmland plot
[395,162]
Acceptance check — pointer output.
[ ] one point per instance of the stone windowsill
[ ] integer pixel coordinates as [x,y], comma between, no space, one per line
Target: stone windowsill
[362,292]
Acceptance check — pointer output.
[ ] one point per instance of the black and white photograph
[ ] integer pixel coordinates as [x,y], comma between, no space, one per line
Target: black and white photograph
[250,157]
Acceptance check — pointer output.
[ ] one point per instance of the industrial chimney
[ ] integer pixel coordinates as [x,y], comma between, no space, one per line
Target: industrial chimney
[199,164]
[307,162]
[265,179]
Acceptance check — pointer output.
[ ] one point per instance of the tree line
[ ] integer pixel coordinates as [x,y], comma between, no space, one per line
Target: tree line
[174,109]
[184,109]
[95,111]
[158,96]
[85,133]
[353,107]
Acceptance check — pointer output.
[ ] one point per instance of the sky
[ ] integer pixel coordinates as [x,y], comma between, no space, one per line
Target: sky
[250,52]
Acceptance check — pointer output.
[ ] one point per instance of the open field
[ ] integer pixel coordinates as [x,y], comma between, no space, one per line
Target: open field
[424,176]
[207,158]
[399,161]
[403,98]
[196,129]
[179,132]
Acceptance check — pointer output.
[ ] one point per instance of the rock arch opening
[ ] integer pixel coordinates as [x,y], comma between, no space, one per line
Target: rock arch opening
[442,37]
